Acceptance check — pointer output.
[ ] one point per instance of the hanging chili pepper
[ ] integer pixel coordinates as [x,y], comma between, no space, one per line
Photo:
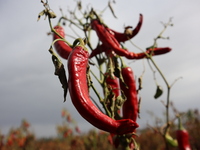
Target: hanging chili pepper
[182,137]
[110,42]
[78,89]
[170,140]
[112,93]
[112,83]
[158,50]
[62,48]
[153,51]
[99,49]
[122,37]
[130,106]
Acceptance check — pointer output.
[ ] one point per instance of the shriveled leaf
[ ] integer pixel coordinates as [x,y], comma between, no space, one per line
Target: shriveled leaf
[79,4]
[117,69]
[159,92]
[46,12]
[60,72]
[140,83]
[51,14]
[41,14]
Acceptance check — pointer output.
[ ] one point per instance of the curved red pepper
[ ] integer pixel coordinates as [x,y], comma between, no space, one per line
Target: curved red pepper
[182,138]
[102,48]
[109,52]
[99,49]
[78,89]
[122,37]
[130,106]
[110,42]
[62,48]
[155,51]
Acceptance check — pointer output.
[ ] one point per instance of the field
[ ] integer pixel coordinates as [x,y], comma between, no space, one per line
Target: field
[70,137]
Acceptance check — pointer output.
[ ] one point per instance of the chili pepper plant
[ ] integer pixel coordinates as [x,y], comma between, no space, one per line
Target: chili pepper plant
[116,109]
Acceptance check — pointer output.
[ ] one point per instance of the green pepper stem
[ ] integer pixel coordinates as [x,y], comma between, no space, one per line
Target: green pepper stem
[54,31]
[168,92]
[180,125]
[123,65]
[81,43]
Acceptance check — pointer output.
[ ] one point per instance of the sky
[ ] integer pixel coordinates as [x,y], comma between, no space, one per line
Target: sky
[29,90]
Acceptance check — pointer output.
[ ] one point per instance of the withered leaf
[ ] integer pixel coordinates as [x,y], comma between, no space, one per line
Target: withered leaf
[159,92]
[60,72]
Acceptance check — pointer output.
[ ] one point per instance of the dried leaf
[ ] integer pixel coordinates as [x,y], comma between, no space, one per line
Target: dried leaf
[60,72]
[79,4]
[51,14]
[159,92]
[140,83]
[41,14]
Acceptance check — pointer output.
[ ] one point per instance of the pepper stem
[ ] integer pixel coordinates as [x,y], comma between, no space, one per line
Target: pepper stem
[180,125]
[123,65]
[54,31]
[81,43]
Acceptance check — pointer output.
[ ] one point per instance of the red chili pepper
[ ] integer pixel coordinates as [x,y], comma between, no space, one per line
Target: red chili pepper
[110,43]
[112,83]
[109,40]
[78,89]
[158,50]
[182,137]
[109,52]
[99,49]
[155,51]
[113,89]
[62,48]
[130,106]
[122,37]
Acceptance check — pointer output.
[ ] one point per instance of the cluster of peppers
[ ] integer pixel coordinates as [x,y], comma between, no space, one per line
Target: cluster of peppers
[121,95]
[119,86]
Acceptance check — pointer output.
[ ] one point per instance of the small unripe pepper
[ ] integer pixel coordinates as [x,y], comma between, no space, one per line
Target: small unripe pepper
[62,48]
[170,140]
[79,92]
